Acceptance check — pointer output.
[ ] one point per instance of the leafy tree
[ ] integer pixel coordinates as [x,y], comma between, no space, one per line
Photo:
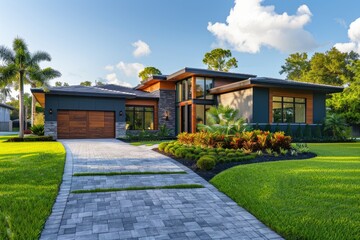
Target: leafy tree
[61,84]
[148,72]
[86,83]
[330,67]
[99,83]
[220,60]
[20,66]
[224,120]
[347,103]
[296,66]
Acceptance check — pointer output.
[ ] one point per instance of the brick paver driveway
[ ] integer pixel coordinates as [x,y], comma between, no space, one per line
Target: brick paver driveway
[202,213]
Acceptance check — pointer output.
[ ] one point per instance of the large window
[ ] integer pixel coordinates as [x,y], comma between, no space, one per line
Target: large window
[288,110]
[139,118]
[183,90]
[201,113]
[203,85]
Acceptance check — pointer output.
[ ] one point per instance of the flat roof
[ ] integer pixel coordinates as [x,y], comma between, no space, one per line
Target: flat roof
[275,82]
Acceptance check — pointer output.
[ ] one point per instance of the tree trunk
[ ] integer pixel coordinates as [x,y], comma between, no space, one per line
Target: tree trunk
[21,105]
[33,107]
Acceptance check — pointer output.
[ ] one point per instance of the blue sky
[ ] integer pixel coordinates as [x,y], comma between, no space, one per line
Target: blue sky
[85,36]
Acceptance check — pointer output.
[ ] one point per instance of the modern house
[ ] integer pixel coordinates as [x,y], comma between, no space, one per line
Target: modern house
[5,122]
[180,101]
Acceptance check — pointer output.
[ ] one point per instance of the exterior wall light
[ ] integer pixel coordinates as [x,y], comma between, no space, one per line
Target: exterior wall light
[167,115]
[50,111]
[120,113]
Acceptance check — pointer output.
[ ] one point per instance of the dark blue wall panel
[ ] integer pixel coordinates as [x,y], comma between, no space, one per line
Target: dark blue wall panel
[58,102]
[260,105]
[319,107]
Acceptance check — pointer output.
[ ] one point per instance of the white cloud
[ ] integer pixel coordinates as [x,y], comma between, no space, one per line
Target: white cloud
[250,26]
[109,68]
[141,49]
[111,78]
[354,37]
[130,69]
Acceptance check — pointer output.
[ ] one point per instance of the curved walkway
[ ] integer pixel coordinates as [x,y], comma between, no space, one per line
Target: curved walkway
[202,213]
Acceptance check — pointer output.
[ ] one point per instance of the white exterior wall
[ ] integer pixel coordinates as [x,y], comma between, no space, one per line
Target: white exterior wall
[241,100]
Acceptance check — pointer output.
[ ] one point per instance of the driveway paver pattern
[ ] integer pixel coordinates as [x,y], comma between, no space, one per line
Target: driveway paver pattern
[202,213]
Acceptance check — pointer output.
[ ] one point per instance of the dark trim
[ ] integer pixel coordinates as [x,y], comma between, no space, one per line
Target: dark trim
[282,108]
[6,106]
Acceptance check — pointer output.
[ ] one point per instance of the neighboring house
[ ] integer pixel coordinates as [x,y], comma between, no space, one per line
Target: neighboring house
[180,101]
[5,122]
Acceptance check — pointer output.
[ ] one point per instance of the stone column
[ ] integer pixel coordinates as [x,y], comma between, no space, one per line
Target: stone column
[50,129]
[120,129]
[167,104]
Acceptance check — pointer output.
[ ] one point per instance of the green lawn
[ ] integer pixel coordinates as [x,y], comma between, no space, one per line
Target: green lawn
[30,174]
[148,143]
[306,199]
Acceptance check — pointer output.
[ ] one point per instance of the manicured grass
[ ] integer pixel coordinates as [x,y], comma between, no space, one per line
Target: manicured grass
[178,186]
[124,173]
[148,143]
[317,198]
[6,137]
[30,174]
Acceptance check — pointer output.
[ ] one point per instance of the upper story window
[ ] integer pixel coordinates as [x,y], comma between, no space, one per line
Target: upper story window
[183,90]
[288,110]
[203,85]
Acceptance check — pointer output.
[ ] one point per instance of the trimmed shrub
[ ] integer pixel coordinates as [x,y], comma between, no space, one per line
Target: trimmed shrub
[162,146]
[31,139]
[288,130]
[307,132]
[317,132]
[167,148]
[38,129]
[206,163]
[299,133]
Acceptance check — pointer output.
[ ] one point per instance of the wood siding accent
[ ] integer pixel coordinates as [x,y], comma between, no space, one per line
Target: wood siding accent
[220,82]
[150,103]
[193,118]
[85,124]
[293,93]
[160,85]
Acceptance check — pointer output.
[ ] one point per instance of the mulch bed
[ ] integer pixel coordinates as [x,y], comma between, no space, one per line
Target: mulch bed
[208,175]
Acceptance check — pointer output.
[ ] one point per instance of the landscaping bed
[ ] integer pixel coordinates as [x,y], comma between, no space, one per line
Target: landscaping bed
[219,167]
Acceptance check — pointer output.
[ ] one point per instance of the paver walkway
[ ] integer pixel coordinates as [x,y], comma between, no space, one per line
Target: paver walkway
[202,213]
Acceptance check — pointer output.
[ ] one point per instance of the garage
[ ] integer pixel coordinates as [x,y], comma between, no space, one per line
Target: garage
[85,124]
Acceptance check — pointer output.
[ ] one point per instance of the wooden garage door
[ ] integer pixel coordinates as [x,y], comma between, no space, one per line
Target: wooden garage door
[85,124]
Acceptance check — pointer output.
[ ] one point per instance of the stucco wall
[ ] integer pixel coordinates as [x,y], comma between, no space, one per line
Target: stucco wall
[241,100]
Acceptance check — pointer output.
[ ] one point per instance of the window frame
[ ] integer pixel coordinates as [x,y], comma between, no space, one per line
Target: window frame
[133,111]
[293,102]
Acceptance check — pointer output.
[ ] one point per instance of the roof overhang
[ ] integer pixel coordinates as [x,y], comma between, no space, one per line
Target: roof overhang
[189,72]
[6,106]
[278,83]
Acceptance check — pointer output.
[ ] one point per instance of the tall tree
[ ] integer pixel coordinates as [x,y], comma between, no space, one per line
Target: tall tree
[4,93]
[40,78]
[19,65]
[148,72]
[61,84]
[86,83]
[296,66]
[347,103]
[324,68]
[220,59]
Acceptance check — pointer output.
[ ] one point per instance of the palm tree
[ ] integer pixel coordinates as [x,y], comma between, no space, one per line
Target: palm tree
[40,78]
[5,92]
[336,124]
[20,66]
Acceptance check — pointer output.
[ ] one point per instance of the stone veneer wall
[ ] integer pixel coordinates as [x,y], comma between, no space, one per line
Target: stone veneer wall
[50,128]
[120,129]
[167,103]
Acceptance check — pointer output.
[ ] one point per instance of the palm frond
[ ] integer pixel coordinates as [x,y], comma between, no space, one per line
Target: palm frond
[40,56]
[6,55]
[19,44]
[8,74]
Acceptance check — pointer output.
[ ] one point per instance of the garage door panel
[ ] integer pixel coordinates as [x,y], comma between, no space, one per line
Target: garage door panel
[86,124]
